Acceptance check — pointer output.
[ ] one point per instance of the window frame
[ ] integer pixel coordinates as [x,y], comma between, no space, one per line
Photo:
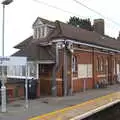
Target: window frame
[74,64]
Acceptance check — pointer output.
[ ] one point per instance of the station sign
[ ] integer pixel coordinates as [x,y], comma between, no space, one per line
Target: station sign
[14,61]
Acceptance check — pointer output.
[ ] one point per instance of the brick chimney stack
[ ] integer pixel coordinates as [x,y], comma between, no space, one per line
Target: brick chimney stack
[98,26]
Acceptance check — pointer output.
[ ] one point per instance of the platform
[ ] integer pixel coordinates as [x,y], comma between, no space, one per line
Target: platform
[82,110]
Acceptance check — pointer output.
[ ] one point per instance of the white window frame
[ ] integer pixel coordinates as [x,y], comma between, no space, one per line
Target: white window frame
[40,31]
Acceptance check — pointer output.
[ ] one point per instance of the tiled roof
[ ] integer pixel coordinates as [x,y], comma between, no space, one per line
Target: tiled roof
[32,49]
[66,31]
[82,35]
[24,43]
[34,52]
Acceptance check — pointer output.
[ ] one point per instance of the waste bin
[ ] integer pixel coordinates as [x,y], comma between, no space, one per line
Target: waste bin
[32,89]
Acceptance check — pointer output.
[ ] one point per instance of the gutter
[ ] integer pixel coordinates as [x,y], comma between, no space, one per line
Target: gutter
[55,68]
[87,44]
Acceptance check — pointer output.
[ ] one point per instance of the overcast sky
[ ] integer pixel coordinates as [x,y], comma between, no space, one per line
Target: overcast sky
[20,15]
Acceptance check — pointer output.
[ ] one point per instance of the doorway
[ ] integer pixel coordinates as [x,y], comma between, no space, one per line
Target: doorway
[45,77]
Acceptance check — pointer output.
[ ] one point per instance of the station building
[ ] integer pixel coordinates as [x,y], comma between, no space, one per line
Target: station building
[66,59]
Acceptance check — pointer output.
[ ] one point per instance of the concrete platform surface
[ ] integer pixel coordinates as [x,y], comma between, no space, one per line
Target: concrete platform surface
[16,110]
[82,110]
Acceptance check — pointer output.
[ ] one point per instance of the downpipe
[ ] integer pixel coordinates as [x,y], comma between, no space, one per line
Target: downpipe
[55,67]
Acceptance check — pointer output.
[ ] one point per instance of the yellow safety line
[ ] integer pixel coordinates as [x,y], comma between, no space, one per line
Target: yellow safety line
[72,107]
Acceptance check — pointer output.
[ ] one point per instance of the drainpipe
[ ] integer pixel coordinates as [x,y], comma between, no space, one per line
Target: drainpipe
[93,66]
[71,74]
[54,83]
[65,72]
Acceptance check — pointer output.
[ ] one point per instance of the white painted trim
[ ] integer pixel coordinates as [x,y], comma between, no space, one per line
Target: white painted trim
[103,75]
[96,51]
[58,40]
[75,78]
[45,62]
[50,26]
[20,77]
[58,79]
[45,31]
[91,45]
[37,23]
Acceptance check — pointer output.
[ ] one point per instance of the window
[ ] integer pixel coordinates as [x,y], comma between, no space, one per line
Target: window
[16,71]
[4,69]
[106,62]
[74,64]
[100,64]
[32,69]
[39,32]
[97,64]
[21,70]
[35,33]
[113,61]
[106,65]
[42,31]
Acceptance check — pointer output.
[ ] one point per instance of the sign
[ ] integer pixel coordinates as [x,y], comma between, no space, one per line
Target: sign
[84,70]
[16,61]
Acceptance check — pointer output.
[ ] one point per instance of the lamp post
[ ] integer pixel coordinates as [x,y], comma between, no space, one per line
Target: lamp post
[3,87]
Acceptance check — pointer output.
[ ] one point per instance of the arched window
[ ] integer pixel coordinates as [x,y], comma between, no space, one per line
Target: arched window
[97,64]
[106,65]
[113,61]
[101,64]
[74,64]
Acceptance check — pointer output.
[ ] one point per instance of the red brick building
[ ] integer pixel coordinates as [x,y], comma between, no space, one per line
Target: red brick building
[67,59]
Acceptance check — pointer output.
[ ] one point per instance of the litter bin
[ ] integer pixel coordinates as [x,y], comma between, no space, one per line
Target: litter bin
[32,89]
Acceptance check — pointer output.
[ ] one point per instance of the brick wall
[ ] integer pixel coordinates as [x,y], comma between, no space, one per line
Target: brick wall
[15,90]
